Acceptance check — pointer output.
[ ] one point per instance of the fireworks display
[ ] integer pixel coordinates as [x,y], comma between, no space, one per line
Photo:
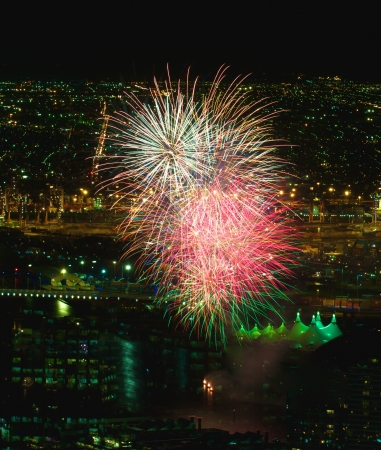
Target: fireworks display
[201,175]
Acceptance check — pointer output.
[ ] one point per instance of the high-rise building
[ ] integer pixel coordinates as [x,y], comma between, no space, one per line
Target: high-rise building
[337,402]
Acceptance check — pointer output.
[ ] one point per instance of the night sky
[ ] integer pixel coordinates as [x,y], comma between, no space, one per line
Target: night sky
[136,40]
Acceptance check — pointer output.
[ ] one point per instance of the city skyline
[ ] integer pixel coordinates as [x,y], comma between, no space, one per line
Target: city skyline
[88,345]
[327,129]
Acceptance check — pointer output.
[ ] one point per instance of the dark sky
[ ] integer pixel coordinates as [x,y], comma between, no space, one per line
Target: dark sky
[136,39]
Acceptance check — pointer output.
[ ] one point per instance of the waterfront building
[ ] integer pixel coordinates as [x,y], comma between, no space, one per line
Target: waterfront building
[335,402]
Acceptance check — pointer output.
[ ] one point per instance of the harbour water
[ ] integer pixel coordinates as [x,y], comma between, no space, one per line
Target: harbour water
[156,379]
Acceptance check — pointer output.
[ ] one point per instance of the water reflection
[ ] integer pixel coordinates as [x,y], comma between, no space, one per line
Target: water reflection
[130,371]
[148,377]
[182,361]
[150,374]
[64,309]
[49,307]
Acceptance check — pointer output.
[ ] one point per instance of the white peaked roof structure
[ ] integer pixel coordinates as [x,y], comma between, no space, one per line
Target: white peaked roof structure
[255,333]
[283,331]
[270,337]
[298,329]
[332,330]
[319,323]
[301,335]
[266,329]
[313,336]
[242,332]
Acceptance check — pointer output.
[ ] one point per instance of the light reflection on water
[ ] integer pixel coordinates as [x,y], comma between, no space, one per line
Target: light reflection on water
[50,307]
[150,374]
[182,360]
[130,371]
[64,309]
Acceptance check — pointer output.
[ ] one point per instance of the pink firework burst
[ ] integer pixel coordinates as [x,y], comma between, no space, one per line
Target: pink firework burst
[220,257]
[201,175]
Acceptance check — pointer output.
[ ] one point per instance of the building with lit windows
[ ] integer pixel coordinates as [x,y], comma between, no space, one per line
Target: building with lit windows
[337,401]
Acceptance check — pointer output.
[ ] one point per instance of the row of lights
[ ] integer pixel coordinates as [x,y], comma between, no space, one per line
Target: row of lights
[331,190]
[48,295]
[55,296]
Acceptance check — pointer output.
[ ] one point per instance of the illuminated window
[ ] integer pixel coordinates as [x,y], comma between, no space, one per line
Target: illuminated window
[330,411]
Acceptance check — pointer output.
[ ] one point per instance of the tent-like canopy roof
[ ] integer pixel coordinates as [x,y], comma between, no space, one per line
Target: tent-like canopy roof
[319,323]
[242,332]
[332,330]
[297,329]
[270,337]
[313,336]
[254,333]
[302,335]
[266,329]
[282,330]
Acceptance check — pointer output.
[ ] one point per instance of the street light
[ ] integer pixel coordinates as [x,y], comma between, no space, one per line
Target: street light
[63,271]
[103,276]
[27,276]
[128,268]
[114,262]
